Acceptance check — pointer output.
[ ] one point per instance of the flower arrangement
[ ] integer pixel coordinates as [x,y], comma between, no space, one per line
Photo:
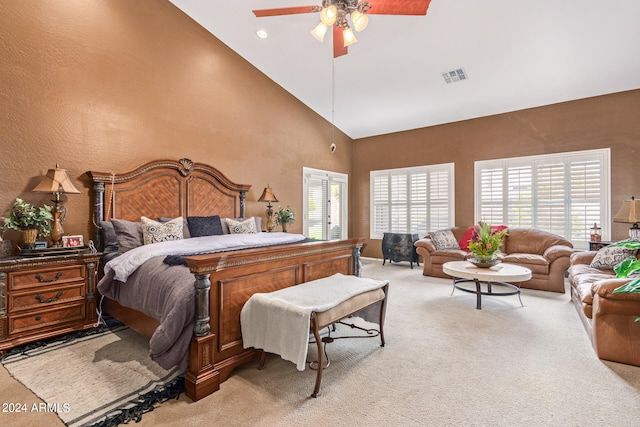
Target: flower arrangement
[25,216]
[485,242]
[285,216]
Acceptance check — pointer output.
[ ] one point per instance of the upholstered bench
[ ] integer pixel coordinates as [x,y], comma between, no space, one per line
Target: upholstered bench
[279,322]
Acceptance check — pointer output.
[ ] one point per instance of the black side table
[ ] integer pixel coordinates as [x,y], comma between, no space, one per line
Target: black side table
[596,246]
[398,247]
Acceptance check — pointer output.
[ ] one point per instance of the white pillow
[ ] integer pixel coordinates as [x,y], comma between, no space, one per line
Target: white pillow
[154,231]
[241,227]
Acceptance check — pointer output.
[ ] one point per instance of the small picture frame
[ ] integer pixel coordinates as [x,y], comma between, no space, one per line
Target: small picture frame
[72,241]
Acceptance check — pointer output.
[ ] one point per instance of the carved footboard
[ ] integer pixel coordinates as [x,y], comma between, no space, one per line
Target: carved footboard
[224,282]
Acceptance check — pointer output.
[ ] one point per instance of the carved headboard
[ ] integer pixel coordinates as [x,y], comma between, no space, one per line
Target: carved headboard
[165,188]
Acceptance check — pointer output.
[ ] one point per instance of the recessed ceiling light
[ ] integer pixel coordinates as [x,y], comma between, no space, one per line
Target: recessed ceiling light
[262,34]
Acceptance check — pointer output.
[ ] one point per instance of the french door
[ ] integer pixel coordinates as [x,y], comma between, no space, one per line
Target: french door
[325,196]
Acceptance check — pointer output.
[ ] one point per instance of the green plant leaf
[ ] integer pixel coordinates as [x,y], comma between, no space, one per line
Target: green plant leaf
[629,244]
[627,267]
[631,287]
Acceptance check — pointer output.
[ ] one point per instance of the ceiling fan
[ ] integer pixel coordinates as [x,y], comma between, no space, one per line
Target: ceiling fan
[334,13]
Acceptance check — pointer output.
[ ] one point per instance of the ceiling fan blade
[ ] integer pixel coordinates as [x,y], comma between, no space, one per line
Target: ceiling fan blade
[398,7]
[286,11]
[339,48]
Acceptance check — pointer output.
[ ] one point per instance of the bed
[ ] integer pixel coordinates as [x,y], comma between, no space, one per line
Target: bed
[222,282]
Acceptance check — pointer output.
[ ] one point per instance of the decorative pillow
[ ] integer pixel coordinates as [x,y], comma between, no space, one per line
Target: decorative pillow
[444,239]
[154,231]
[109,238]
[466,238]
[128,234]
[185,225]
[241,227]
[225,225]
[204,225]
[608,257]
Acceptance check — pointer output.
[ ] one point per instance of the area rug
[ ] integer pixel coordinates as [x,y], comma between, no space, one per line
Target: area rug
[95,379]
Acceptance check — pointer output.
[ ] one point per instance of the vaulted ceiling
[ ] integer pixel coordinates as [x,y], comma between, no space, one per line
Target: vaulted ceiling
[515,54]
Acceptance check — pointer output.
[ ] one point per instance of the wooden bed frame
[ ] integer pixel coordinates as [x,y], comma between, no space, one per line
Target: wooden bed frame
[223,281]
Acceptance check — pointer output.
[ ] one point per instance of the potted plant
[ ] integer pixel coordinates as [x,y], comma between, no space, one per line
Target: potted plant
[30,220]
[284,217]
[626,268]
[485,243]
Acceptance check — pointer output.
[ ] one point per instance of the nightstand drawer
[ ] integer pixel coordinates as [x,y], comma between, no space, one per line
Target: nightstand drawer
[48,296]
[46,318]
[46,276]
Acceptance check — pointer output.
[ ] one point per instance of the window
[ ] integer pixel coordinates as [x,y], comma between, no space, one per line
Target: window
[563,193]
[412,200]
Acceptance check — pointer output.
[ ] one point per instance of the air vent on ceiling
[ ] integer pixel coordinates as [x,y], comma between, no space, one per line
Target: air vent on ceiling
[454,76]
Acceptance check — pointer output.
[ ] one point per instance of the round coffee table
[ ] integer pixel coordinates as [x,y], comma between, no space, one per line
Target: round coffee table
[500,274]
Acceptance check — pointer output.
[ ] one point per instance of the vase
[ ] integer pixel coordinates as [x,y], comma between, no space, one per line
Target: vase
[284,227]
[29,236]
[484,261]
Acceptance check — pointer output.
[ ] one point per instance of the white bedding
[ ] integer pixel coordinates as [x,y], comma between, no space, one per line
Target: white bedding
[278,322]
[125,264]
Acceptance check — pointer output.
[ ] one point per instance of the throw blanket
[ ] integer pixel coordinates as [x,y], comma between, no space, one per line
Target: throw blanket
[125,264]
[279,322]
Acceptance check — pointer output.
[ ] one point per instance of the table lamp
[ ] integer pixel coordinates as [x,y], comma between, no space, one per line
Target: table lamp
[630,213]
[57,181]
[268,196]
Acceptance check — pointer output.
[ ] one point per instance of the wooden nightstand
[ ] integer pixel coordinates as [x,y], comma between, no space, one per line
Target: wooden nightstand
[42,297]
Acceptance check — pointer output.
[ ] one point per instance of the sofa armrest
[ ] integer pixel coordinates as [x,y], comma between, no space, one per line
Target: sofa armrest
[583,257]
[554,252]
[425,243]
[624,303]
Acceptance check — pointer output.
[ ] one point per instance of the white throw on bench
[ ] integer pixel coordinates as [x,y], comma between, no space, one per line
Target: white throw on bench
[279,322]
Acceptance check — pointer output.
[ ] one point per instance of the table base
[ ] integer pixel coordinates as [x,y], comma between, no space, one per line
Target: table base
[515,290]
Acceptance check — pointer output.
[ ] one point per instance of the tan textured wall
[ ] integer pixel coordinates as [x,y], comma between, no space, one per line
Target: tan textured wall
[108,85]
[600,122]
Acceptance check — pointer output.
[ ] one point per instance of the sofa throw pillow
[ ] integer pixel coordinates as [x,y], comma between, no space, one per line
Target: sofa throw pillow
[128,234]
[204,225]
[240,227]
[466,238]
[154,231]
[444,239]
[609,256]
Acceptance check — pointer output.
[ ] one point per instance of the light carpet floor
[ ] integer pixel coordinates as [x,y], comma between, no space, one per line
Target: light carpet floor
[445,364]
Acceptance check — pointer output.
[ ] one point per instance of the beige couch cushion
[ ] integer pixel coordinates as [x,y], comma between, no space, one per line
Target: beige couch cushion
[536,263]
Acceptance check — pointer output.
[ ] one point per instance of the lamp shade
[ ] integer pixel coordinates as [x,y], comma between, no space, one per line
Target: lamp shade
[629,212]
[319,31]
[267,195]
[56,181]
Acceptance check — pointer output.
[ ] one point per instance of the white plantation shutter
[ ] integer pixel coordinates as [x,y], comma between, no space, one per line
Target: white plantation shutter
[412,200]
[317,210]
[562,193]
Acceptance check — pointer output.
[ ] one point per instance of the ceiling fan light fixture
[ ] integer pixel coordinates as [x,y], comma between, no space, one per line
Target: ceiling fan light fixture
[360,20]
[348,36]
[328,15]
[319,31]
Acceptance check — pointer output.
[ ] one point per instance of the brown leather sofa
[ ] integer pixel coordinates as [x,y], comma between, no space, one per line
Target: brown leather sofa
[608,318]
[545,254]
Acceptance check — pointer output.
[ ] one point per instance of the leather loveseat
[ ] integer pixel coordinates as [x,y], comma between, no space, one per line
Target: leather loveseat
[608,318]
[545,254]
